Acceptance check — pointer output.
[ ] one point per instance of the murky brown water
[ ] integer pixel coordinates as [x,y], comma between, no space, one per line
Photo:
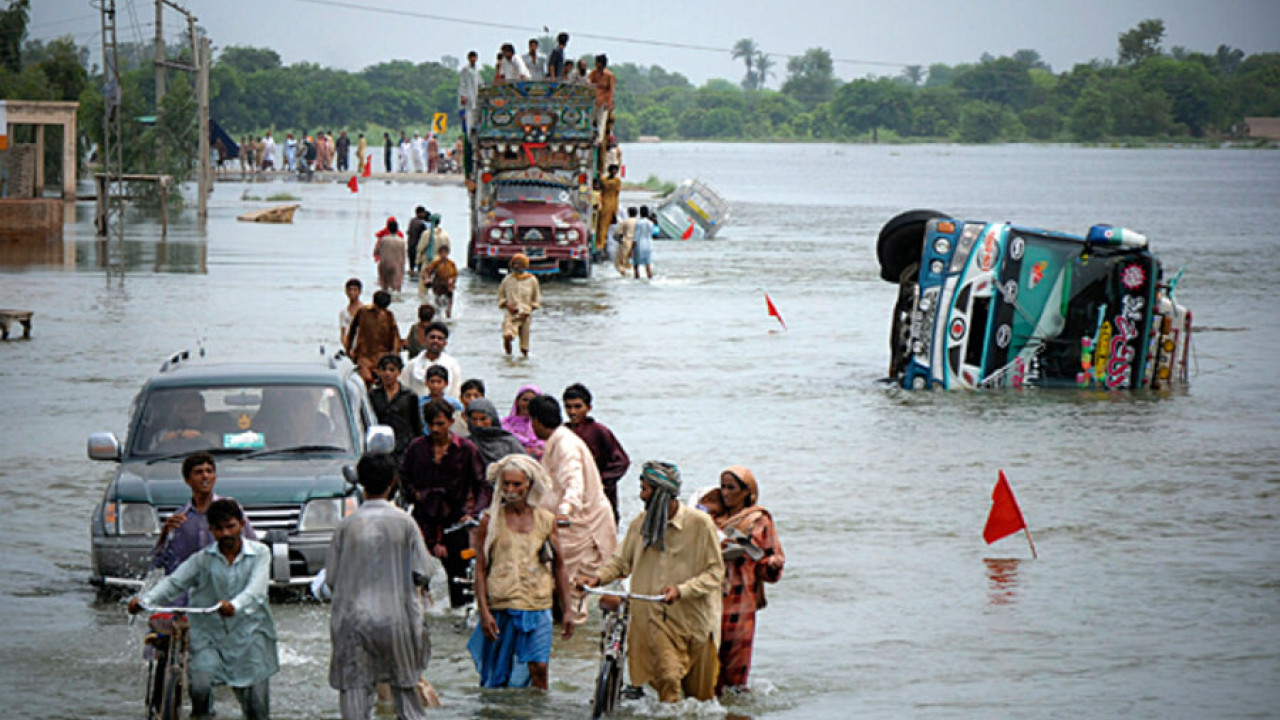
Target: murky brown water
[1157,591]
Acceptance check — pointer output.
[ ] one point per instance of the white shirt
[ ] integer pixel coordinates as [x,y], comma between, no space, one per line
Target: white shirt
[414,375]
[514,69]
[468,88]
[537,66]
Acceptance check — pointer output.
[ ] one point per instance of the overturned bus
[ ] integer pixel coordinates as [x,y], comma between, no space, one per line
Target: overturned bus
[984,305]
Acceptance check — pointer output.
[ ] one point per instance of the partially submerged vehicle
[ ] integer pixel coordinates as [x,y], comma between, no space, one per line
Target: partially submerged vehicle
[984,305]
[283,436]
[535,150]
[691,211]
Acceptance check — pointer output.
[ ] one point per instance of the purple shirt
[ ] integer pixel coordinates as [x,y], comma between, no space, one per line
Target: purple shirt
[444,491]
[189,537]
[611,460]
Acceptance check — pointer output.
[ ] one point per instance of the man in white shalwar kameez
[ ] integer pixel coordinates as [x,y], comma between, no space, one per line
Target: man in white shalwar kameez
[375,566]
[576,496]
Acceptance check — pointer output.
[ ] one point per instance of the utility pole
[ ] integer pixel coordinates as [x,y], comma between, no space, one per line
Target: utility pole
[202,98]
[159,59]
[111,186]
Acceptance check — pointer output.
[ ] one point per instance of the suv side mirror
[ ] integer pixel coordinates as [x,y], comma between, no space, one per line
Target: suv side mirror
[104,446]
[381,440]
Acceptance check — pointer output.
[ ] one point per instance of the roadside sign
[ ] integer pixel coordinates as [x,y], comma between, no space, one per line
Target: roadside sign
[439,123]
[4,127]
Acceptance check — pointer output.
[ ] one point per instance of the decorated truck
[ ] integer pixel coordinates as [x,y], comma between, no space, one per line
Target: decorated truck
[984,305]
[534,163]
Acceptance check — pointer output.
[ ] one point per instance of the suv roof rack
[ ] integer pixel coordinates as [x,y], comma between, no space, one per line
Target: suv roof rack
[333,360]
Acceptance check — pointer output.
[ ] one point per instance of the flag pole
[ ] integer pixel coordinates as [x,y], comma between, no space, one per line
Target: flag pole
[1027,530]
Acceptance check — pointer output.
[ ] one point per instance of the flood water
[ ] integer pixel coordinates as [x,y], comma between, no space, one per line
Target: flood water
[1156,516]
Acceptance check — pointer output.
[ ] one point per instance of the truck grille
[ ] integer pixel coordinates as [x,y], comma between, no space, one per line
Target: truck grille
[263,517]
[537,234]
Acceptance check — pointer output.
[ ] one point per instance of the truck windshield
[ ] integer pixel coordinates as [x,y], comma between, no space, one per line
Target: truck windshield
[1066,303]
[513,193]
[247,417]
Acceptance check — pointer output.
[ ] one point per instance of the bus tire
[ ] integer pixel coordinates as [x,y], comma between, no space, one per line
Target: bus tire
[901,242]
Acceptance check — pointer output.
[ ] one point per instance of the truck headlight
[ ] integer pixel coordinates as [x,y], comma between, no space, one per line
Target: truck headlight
[131,519]
[495,233]
[573,235]
[942,246]
[936,267]
[324,513]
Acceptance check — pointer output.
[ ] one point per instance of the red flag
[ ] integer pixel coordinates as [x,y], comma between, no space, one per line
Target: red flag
[1005,518]
[688,233]
[368,167]
[773,310]
[353,184]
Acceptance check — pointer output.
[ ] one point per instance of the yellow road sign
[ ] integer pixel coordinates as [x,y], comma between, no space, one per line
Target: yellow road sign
[439,123]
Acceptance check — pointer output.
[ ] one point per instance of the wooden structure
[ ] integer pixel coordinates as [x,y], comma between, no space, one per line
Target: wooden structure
[9,317]
[1262,127]
[278,214]
[41,113]
[101,181]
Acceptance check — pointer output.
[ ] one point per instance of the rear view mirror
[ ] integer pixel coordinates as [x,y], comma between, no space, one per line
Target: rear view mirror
[104,446]
[380,440]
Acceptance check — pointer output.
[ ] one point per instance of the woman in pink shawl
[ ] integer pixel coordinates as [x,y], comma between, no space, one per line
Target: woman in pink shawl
[519,424]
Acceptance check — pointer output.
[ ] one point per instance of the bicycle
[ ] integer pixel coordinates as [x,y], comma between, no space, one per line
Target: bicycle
[468,581]
[165,650]
[613,647]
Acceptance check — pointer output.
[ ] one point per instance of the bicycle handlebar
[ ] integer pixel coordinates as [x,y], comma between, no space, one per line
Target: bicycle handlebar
[184,610]
[464,525]
[623,594]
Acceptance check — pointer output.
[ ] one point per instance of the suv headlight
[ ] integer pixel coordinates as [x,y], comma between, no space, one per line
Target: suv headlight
[131,519]
[324,514]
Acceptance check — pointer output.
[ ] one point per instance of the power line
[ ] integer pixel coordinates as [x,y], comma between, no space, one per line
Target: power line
[398,12]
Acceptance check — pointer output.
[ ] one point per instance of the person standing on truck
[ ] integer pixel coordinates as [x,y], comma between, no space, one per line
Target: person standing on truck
[604,81]
[537,63]
[519,295]
[610,186]
[555,64]
[511,66]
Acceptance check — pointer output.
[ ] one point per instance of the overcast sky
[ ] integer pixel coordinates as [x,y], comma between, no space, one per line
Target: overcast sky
[864,37]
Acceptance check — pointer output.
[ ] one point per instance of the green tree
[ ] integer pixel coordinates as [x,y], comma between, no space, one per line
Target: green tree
[656,120]
[1042,122]
[1031,60]
[1091,118]
[1141,42]
[249,59]
[913,74]
[811,77]
[1199,99]
[764,70]
[983,121]
[1001,80]
[868,105]
[746,50]
[13,31]
[61,63]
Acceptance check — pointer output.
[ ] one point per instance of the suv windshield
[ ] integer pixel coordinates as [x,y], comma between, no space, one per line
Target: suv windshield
[511,193]
[239,418]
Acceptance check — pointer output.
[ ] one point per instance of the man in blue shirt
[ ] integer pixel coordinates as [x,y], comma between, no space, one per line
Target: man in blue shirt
[239,647]
[187,530]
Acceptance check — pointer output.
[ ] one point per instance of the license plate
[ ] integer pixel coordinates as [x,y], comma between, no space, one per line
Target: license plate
[535,252]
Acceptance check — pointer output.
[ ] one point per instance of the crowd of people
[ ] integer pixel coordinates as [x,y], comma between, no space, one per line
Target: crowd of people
[542,482]
[324,151]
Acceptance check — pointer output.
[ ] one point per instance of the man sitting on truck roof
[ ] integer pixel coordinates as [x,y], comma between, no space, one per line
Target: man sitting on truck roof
[511,68]
[604,81]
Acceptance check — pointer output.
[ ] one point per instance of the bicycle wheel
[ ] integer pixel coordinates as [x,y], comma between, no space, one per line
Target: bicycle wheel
[608,683]
[171,698]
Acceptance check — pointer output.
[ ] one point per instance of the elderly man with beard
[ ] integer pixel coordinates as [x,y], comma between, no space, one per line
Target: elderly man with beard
[517,570]
[237,646]
[670,550]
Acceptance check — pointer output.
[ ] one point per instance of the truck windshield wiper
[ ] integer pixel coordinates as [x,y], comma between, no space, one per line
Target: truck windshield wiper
[210,450]
[293,449]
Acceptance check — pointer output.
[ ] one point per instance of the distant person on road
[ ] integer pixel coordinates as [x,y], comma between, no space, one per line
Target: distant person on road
[353,288]
[642,249]
[518,295]
[518,568]
[626,240]
[387,147]
[343,149]
[362,149]
[444,279]
[434,238]
[237,645]
[376,568]
[373,334]
[610,458]
[389,252]
[417,226]
[588,532]
[415,341]
[674,551]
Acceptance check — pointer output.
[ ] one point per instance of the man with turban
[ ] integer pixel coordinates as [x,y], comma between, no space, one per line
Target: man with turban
[670,550]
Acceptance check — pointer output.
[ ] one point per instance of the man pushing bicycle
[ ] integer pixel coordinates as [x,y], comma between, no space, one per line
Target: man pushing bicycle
[670,550]
[237,647]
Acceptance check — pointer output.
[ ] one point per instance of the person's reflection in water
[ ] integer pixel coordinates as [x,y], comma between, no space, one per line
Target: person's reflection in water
[1002,578]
